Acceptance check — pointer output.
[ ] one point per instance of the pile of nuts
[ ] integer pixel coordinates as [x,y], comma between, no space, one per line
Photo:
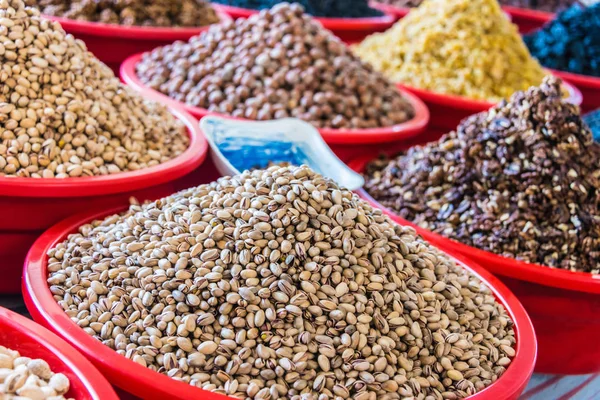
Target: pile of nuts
[164,13]
[460,47]
[64,114]
[521,180]
[27,378]
[279,283]
[276,64]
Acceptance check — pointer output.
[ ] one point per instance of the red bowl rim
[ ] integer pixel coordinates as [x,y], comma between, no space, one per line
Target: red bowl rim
[525,13]
[363,23]
[496,264]
[465,103]
[143,33]
[171,170]
[95,384]
[586,81]
[397,132]
[124,373]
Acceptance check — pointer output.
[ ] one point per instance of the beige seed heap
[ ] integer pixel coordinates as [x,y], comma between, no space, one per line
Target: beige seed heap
[25,378]
[279,284]
[64,114]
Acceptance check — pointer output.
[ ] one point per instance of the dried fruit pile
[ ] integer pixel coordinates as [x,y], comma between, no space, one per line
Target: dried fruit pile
[522,181]
[164,13]
[26,378]
[276,64]
[64,114]
[570,42]
[280,284]
[460,47]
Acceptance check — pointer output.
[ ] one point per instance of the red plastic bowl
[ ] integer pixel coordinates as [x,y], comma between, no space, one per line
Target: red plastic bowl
[397,12]
[113,43]
[32,340]
[346,143]
[144,383]
[528,20]
[448,110]
[563,305]
[589,86]
[350,30]
[32,205]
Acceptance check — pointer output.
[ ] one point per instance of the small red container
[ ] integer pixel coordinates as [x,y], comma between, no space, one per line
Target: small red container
[144,383]
[448,110]
[350,30]
[34,341]
[589,86]
[564,306]
[346,143]
[31,205]
[528,20]
[113,43]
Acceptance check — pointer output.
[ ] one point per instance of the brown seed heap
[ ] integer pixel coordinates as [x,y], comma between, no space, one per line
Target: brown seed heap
[280,284]
[521,180]
[25,378]
[165,13]
[64,114]
[276,64]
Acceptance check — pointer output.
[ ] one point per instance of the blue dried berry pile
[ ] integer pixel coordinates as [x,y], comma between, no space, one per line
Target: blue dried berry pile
[317,8]
[592,120]
[571,42]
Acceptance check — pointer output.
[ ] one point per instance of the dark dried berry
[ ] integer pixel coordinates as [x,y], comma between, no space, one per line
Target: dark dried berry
[317,8]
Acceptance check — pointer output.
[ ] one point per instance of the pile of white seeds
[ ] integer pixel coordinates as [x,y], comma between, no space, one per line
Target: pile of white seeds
[25,378]
[279,284]
[64,114]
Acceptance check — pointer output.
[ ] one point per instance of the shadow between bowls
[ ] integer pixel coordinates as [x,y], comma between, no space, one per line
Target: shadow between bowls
[350,30]
[144,383]
[29,206]
[564,306]
[34,341]
[113,43]
[448,110]
[346,143]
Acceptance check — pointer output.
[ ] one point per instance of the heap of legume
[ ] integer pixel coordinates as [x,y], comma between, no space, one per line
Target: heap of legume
[460,47]
[25,378]
[276,64]
[279,284]
[64,114]
[540,5]
[570,42]
[316,8]
[162,13]
[521,180]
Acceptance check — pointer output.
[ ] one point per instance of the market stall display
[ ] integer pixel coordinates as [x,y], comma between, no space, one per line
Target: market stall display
[518,182]
[324,270]
[73,137]
[458,56]
[570,46]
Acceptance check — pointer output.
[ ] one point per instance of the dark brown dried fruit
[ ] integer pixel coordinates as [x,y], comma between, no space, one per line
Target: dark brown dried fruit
[521,180]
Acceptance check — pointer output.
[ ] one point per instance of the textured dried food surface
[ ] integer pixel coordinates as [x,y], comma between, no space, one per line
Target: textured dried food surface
[570,42]
[163,13]
[521,180]
[540,5]
[461,47]
[26,378]
[317,8]
[64,114]
[278,63]
[279,284]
